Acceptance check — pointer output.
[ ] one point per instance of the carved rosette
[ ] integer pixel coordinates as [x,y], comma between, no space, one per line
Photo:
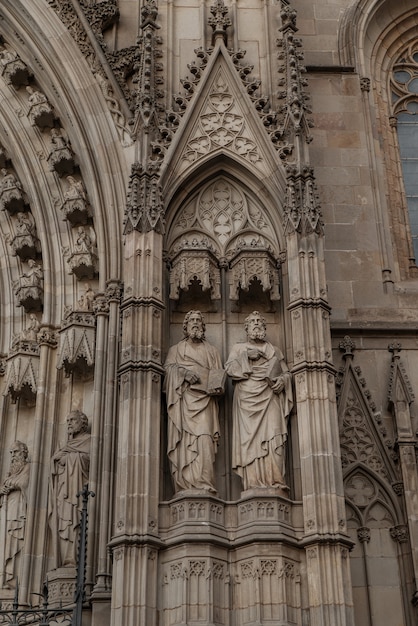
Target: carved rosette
[77,344]
[23,369]
[248,265]
[193,264]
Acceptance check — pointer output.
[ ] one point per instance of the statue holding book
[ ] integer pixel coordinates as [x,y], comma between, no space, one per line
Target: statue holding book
[262,403]
[194,379]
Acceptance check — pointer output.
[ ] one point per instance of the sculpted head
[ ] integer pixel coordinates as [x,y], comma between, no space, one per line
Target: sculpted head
[77,422]
[19,456]
[194,326]
[255,326]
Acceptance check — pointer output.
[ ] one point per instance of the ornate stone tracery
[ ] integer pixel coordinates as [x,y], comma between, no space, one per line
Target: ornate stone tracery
[223,224]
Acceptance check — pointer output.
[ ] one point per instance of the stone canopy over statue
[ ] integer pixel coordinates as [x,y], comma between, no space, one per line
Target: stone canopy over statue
[69,474]
[194,377]
[262,403]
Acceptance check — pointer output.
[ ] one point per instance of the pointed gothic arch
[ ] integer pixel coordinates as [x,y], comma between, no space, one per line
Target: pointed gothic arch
[375,36]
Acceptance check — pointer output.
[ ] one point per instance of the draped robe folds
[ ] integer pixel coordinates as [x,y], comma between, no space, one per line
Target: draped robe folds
[193,426]
[259,415]
[14,505]
[69,474]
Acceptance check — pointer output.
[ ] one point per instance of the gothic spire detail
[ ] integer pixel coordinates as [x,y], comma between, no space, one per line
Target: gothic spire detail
[148,68]
[144,207]
[302,211]
[293,122]
[219,20]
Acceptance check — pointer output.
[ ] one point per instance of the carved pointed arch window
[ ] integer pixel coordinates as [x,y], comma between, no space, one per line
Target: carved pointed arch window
[404,98]
[223,226]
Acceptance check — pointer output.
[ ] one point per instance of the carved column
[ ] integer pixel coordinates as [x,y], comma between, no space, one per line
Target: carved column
[135,541]
[36,519]
[321,471]
[400,398]
[106,307]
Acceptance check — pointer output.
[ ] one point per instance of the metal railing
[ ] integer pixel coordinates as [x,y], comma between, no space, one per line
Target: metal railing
[58,616]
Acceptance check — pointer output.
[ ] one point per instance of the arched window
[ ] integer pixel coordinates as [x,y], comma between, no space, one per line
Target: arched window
[404,97]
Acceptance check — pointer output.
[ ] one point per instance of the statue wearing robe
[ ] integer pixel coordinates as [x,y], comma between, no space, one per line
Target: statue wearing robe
[261,406]
[193,425]
[69,474]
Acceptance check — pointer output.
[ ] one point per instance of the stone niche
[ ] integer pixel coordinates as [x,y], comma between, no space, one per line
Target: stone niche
[13,69]
[77,344]
[12,197]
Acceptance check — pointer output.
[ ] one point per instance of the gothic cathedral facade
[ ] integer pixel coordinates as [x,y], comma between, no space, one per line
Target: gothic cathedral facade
[176,175]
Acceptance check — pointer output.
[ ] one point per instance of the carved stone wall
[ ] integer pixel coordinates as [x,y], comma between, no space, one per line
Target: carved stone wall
[223,157]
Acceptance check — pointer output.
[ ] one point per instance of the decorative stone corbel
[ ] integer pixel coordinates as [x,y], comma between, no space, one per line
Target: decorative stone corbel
[25,244]
[61,159]
[23,369]
[12,68]
[41,113]
[83,259]
[29,288]
[195,263]
[76,207]
[12,197]
[77,344]
[248,265]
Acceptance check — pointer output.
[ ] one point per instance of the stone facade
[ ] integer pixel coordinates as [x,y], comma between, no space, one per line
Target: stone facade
[223,157]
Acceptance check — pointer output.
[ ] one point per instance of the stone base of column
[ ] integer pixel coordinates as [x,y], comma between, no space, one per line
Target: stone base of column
[61,586]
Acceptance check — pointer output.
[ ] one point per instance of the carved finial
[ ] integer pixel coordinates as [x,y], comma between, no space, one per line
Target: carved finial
[347,345]
[288,16]
[395,347]
[219,21]
[365,84]
[149,14]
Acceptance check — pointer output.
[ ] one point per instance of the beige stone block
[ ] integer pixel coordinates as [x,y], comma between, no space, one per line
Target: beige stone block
[339,175]
[343,194]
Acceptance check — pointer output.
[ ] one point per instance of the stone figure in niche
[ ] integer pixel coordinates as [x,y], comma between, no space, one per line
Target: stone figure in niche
[25,224]
[263,400]
[69,473]
[33,277]
[85,302]
[57,140]
[75,189]
[13,493]
[30,333]
[7,56]
[9,181]
[194,379]
[84,243]
[35,97]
